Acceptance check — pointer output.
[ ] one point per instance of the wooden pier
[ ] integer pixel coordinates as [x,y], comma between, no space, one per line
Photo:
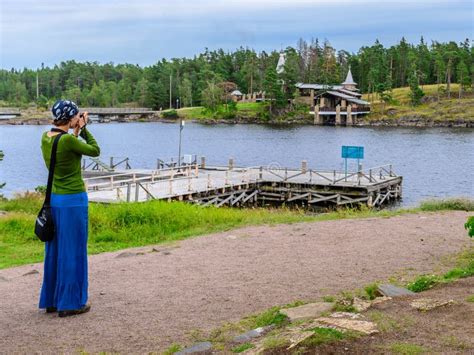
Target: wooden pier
[242,186]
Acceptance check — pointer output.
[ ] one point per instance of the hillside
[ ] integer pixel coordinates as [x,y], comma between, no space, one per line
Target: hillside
[448,111]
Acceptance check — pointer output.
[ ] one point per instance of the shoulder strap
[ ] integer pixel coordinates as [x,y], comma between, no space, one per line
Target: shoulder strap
[52,164]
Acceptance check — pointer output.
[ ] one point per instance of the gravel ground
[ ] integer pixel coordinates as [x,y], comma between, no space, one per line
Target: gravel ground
[144,300]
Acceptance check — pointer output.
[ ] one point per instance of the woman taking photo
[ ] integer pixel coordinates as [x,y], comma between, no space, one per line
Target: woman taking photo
[65,280]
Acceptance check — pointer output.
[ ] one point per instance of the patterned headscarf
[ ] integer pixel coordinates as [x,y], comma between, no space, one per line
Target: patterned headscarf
[64,110]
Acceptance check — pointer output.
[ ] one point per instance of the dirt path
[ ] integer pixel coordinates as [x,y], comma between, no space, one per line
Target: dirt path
[142,303]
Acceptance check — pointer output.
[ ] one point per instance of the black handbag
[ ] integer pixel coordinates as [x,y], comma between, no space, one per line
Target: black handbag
[44,226]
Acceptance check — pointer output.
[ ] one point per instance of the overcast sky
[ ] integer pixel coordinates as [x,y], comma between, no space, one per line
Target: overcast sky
[144,31]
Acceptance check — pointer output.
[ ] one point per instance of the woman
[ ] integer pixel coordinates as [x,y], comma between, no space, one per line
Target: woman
[65,265]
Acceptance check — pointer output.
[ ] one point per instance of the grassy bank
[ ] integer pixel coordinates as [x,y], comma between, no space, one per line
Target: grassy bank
[119,226]
[431,111]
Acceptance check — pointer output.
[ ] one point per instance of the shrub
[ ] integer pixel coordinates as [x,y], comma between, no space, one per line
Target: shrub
[170,114]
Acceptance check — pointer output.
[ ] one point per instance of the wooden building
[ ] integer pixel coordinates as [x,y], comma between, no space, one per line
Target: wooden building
[334,104]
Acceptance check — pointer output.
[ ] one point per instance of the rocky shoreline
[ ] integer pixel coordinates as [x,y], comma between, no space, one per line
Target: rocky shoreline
[405,121]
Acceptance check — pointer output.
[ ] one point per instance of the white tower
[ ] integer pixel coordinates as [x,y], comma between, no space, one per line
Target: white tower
[349,83]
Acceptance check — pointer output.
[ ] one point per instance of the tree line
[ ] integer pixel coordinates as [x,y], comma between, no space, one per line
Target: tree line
[189,81]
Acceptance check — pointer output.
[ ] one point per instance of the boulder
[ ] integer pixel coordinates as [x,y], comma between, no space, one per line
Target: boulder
[427,304]
[307,311]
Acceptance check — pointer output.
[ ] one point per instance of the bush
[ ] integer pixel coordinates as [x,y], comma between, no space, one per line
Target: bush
[170,114]
[423,283]
[455,204]
[470,226]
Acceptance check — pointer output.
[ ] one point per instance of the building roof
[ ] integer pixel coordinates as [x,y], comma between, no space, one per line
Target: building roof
[348,98]
[350,92]
[236,93]
[349,80]
[318,86]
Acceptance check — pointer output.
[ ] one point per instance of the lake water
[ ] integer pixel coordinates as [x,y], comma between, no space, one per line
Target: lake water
[437,162]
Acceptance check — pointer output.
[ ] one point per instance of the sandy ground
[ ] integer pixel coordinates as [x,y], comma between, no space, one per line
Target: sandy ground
[142,303]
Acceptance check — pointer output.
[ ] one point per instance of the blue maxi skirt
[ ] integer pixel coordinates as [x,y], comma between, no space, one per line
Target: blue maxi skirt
[65,264]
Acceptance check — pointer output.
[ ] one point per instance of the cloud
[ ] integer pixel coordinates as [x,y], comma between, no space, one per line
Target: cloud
[143,31]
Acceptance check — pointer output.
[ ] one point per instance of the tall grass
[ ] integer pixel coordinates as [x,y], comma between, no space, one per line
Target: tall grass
[457,204]
[118,226]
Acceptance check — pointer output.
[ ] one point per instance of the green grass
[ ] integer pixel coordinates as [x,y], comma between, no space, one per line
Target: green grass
[271,316]
[371,291]
[245,109]
[322,336]
[242,348]
[173,348]
[470,298]
[464,268]
[445,110]
[119,226]
[459,204]
[407,349]
[275,342]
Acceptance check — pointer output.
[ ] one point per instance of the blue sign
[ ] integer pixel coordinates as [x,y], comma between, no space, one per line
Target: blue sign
[352,152]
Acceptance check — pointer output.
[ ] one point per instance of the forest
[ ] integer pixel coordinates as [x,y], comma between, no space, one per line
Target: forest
[375,68]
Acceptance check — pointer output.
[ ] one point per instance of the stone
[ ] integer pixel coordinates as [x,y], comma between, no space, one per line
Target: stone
[346,315]
[199,348]
[127,254]
[427,304]
[361,305]
[32,272]
[252,334]
[298,337]
[231,237]
[307,311]
[3,278]
[361,326]
[393,291]
[381,300]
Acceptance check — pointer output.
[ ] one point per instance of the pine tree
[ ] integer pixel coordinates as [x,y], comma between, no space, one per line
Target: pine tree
[272,87]
[416,94]
[463,77]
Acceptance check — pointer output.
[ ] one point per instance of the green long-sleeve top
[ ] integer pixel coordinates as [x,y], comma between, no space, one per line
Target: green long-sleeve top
[67,173]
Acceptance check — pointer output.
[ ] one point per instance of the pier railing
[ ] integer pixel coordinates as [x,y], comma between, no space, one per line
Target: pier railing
[99,165]
[176,182]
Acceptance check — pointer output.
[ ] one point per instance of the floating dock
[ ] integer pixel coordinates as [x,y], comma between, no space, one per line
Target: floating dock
[245,186]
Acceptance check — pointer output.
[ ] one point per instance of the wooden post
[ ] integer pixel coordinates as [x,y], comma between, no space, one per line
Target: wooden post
[137,192]
[370,201]
[129,187]
[338,115]
[203,162]
[304,166]
[231,163]
[170,186]
[312,97]
[349,118]
[260,173]
[111,162]
[317,117]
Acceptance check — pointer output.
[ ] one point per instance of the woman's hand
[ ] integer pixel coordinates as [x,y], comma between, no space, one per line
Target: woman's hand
[83,120]
[81,123]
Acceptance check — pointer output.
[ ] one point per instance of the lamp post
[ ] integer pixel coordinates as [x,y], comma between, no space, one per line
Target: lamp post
[181,126]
